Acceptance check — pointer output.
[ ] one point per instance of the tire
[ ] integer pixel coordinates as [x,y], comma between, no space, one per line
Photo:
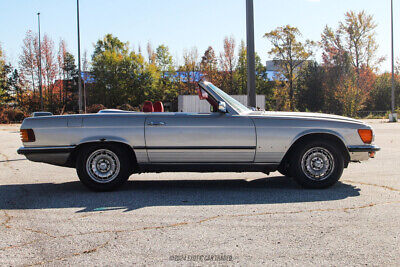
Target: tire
[103,167]
[284,171]
[317,164]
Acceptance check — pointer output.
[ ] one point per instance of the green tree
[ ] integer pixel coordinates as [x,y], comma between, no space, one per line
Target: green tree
[5,70]
[69,66]
[15,87]
[263,85]
[122,76]
[241,69]
[165,75]
[289,54]
[380,97]
[70,75]
[163,59]
[110,44]
[310,94]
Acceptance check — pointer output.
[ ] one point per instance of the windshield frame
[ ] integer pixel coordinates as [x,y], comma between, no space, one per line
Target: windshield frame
[220,95]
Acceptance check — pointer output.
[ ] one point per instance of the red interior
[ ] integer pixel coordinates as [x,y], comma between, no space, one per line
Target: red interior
[148,106]
[204,95]
[158,106]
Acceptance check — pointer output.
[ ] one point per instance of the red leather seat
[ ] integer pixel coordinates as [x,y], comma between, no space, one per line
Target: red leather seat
[148,106]
[158,106]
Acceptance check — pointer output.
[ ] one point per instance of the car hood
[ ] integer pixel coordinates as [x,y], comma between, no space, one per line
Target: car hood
[303,115]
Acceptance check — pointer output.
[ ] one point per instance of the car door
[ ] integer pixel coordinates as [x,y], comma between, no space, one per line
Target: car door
[196,137]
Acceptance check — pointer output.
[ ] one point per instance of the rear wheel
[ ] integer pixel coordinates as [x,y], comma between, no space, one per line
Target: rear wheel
[317,164]
[103,167]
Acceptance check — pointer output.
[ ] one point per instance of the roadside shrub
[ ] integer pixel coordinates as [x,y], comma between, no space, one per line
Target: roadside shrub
[3,117]
[9,115]
[374,116]
[95,108]
[126,107]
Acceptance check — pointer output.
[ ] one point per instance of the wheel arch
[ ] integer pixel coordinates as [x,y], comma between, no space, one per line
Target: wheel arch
[71,162]
[311,136]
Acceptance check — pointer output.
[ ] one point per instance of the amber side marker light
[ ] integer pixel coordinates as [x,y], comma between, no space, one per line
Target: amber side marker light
[365,135]
[27,135]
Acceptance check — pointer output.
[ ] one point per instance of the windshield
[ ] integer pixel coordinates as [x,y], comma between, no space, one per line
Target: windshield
[236,105]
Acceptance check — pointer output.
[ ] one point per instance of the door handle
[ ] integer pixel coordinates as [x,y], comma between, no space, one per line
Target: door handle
[156,123]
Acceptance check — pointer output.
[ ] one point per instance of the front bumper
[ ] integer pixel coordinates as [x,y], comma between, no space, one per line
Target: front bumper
[57,155]
[363,152]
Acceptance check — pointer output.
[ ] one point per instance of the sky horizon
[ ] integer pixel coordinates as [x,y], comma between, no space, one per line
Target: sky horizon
[183,24]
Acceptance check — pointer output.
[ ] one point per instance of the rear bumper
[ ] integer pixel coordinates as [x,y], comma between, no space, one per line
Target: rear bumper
[363,152]
[52,155]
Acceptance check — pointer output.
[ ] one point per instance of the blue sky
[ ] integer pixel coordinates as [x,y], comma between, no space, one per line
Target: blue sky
[182,24]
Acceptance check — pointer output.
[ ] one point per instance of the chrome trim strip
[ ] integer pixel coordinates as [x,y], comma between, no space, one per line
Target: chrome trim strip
[364,148]
[208,167]
[193,147]
[45,150]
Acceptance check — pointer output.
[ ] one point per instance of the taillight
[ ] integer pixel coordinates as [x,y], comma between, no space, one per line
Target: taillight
[366,135]
[27,135]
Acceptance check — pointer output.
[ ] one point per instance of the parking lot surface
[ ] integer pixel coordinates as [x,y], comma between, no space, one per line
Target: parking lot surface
[48,218]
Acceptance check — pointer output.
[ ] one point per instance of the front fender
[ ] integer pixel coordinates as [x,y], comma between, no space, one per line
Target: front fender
[318,131]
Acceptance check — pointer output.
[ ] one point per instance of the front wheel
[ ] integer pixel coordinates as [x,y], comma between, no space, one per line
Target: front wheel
[103,167]
[317,164]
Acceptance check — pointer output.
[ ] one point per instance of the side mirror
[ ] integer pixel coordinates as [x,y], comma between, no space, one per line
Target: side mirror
[222,107]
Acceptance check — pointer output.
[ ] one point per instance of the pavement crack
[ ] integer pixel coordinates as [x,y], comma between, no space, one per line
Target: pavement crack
[313,210]
[5,156]
[86,251]
[7,220]
[375,185]
[6,224]
[37,232]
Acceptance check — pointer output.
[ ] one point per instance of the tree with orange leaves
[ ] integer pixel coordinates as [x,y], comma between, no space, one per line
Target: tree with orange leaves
[228,63]
[289,55]
[352,42]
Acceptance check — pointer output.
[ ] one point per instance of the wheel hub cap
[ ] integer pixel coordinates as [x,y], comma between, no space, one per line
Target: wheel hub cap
[103,166]
[317,163]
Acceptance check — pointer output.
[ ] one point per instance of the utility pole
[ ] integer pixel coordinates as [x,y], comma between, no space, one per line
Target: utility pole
[40,68]
[393,115]
[251,69]
[79,62]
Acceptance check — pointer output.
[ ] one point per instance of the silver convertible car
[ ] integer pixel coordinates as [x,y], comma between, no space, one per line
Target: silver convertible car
[107,147]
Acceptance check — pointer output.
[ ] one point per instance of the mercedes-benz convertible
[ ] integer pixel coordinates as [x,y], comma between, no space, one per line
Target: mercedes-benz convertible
[107,147]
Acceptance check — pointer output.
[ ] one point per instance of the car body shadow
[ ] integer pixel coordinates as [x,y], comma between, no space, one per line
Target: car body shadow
[139,194]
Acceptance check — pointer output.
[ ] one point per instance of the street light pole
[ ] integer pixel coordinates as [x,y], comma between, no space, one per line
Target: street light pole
[79,62]
[251,69]
[40,67]
[393,116]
